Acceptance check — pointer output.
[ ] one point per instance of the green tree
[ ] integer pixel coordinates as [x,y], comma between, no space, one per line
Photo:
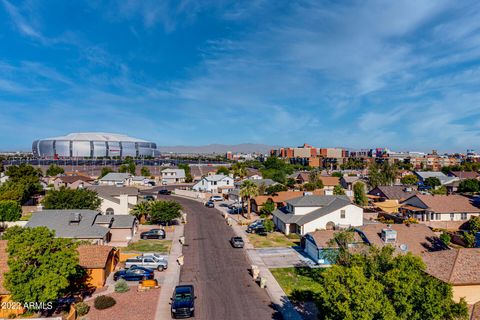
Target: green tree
[269,225]
[188,173]
[239,170]
[144,171]
[469,185]
[10,210]
[441,191]
[14,191]
[23,171]
[41,267]
[267,208]
[309,186]
[141,210]
[275,188]
[383,174]
[432,182]
[290,182]
[473,225]
[24,181]
[445,238]
[71,199]
[359,195]
[54,170]
[337,174]
[105,171]
[248,190]
[223,170]
[338,190]
[409,179]
[123,168]
[164,211]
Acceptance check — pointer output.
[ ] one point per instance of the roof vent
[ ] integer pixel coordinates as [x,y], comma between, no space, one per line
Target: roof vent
[403,247]
[75,217]
[389,236]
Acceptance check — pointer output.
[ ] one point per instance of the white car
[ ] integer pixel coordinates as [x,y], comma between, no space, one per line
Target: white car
[216,198]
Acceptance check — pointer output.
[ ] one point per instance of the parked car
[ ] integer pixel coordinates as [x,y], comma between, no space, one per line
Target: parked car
[254,226]
[165,192]
[216,198]
[210,204]
[155,255]
[233,205]
[183,302]
[134,274]
[153,234]
[261,231]
[237,242]
[238,210]
[147,262]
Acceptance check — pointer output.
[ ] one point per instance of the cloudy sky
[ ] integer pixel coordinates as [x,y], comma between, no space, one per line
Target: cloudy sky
[399,74]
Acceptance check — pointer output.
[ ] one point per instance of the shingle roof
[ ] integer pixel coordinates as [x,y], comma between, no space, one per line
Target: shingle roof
[114,191]
[434,174]
[115,176]
[314,200]
[93,256]
[330,181]
[72,179]
[394,192]
[121,221]
[216,177]
[457,267]
[3,265]
[418,237]
[447,203]
[283,196]
[59,221]
[322,237]
[465,174]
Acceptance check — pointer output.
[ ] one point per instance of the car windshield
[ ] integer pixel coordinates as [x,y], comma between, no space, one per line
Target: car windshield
[184,296]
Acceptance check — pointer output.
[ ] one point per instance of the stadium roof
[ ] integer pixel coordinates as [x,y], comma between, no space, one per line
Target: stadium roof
[97,136]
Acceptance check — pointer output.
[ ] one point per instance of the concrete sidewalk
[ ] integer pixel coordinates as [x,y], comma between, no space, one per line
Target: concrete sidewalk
[171,276]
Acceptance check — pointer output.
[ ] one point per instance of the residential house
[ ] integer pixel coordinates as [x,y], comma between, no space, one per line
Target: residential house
[139,181]
[253,174]
[116,200]
[399,193]
[309,213]
[234,194]
[317,245]
[3,178]
[347,182]
[458,267]
[199,171]
[463,175]
[279,198]
[171,176]
[217,183]
[88,225]
[98,262]
[426,208]
[444,179]
[115,179]
[72,182]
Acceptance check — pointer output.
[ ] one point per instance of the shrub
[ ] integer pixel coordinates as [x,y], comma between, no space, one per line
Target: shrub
[82,308]
[103,302]
[445,238]
[269,225]
[121,286]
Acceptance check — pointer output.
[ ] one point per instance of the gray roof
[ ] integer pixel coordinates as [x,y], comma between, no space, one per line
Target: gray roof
[115,176]
[59,221]
[216,177]
[138,178]
[113,190]
[104,219]
[315,201]
[444,179]
[258,182]
[331,203]
[122,221]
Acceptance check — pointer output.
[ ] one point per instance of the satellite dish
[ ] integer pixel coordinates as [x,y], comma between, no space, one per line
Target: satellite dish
[403,247]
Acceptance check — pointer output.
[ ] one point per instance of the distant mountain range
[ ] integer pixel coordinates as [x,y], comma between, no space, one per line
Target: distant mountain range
[217,148]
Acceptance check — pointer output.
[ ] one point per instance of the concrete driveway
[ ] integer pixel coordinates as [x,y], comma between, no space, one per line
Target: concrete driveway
[284,257]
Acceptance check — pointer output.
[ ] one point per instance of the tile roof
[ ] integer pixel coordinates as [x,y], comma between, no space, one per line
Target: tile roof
[393,192]
[418,237]
[322,237]
[72,179]
[457,266]
[465,174]
[315,200]
[3,265]
[330,181]
[283,196]
[59,221]
[93,256]
[446,203]
[350,179]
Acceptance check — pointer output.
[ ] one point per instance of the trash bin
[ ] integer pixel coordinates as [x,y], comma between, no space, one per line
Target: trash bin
[229,221]
[182,240]
[263,282]
[255,271]
[180,260]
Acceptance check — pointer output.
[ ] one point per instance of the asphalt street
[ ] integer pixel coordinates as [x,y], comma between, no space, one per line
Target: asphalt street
[223,286]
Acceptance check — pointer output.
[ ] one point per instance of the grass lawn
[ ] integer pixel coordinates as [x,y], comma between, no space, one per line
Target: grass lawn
[150,246]
[274,239]
[298,283]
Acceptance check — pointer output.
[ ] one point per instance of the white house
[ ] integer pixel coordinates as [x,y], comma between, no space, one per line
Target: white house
[310,212]
[214,183]
[115,179]
[173,176]
[3,178]
[116,200]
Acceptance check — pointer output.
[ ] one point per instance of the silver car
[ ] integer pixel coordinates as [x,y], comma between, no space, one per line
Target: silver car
[149,262]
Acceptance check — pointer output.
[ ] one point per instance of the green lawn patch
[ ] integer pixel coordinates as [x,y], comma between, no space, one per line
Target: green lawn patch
[299,284]
[274,239]
[150,246]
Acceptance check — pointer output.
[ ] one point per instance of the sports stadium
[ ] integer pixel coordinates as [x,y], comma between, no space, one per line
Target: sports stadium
[93,145]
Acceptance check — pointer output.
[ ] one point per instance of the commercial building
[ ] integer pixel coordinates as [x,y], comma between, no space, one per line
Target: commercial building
[93,145]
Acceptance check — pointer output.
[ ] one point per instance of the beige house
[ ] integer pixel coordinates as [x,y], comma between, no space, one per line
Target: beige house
[116,200]
[72,182]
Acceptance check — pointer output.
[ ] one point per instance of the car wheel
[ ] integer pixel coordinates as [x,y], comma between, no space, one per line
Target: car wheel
[160,268]
[173,316]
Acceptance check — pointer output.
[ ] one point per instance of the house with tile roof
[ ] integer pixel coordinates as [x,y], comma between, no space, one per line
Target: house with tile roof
[308,213]
[458,267]
[463,175]
[116,200]
[98,262]
[399,193]
[72,182]
[426,208]
[279,198]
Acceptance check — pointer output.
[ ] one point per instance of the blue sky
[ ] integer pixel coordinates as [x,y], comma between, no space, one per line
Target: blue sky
[399,74]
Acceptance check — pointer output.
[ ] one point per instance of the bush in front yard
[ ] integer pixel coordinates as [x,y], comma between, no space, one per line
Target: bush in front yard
[104,302]
[269,225]
[82,308]
[121,286]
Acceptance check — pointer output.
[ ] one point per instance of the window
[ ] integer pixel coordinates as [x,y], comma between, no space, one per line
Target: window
[109,211]
[463,216]
[342,214]
[438,216]
[452,216]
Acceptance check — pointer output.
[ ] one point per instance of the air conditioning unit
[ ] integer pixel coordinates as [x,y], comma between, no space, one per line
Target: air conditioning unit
[389,236]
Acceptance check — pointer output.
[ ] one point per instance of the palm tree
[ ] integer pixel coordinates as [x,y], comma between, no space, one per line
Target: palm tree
[248,190]
[239,170]
[141,210]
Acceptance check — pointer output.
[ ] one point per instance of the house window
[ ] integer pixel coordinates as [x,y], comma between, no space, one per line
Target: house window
[342,214]
[463,216]
[438,216]
[109,211]
[452,216]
